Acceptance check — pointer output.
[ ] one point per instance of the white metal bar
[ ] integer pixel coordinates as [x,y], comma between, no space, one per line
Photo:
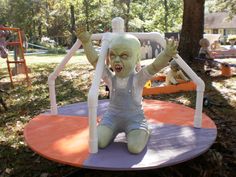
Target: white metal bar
[93,95]
[200,90]
[151,36]
[52,77]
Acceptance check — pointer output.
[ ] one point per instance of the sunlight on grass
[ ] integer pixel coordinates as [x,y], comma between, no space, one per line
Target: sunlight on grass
[47,59]
[227,88]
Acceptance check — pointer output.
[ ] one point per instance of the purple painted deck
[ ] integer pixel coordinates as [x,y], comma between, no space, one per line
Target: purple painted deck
[168,145]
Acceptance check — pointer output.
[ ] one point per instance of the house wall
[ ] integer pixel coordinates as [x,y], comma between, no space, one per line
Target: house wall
[208,31]
[220,31]
[230,31]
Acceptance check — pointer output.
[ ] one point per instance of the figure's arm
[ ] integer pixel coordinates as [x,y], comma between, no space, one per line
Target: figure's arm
[164,57]
[85,37]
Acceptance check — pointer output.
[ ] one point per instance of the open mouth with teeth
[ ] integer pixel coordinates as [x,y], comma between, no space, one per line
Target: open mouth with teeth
[118,68]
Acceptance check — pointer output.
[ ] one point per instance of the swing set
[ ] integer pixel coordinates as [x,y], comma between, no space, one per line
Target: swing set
[19,58]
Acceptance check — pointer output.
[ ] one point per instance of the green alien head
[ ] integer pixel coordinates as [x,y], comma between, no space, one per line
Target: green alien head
[124,54]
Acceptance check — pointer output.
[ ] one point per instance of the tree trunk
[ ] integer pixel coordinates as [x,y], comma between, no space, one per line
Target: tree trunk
[192,29]
[86,14]
[166,15]
[72,19]
[47,16]
[40,31]
[127,15]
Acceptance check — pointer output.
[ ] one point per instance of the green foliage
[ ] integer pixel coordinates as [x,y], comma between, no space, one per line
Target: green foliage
[3,10]
[56,50]
[150,15]
[223,6]
[38,18]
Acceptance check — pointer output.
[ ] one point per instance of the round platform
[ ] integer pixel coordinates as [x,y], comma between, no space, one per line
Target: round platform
[64,138]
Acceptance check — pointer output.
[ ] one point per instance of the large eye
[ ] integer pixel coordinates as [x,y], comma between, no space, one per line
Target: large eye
[112,56]
[124,56]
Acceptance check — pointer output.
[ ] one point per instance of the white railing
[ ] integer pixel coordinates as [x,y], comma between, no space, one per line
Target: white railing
[200,90]
[197,80]
[52,77]
[93,95]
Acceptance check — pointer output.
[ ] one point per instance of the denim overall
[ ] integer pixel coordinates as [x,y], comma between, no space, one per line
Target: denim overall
[124,114]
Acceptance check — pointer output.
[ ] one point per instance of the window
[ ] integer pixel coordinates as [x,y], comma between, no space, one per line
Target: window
[215,31]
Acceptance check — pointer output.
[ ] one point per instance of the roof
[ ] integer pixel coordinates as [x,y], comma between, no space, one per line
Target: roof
[219,20]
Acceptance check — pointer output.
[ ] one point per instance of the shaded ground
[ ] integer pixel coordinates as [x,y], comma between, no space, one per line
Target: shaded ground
[72,86]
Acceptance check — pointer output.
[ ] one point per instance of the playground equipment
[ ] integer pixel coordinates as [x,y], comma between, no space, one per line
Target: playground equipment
[225,67]
[174,81]
[224,53]
[151,89]
[212,37]
[63,135]
[216,50]
[209,57]
[19,60]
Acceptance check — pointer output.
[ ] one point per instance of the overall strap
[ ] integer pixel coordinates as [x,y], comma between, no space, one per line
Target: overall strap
[130,82]
[113,79]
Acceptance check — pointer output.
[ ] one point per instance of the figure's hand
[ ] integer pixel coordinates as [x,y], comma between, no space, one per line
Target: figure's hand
[171,47]
[83,35]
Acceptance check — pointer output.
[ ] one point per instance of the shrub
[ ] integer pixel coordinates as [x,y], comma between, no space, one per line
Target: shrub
[56,50]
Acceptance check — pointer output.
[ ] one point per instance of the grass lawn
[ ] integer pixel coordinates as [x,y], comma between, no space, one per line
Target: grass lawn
[72,86]
[46,59]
